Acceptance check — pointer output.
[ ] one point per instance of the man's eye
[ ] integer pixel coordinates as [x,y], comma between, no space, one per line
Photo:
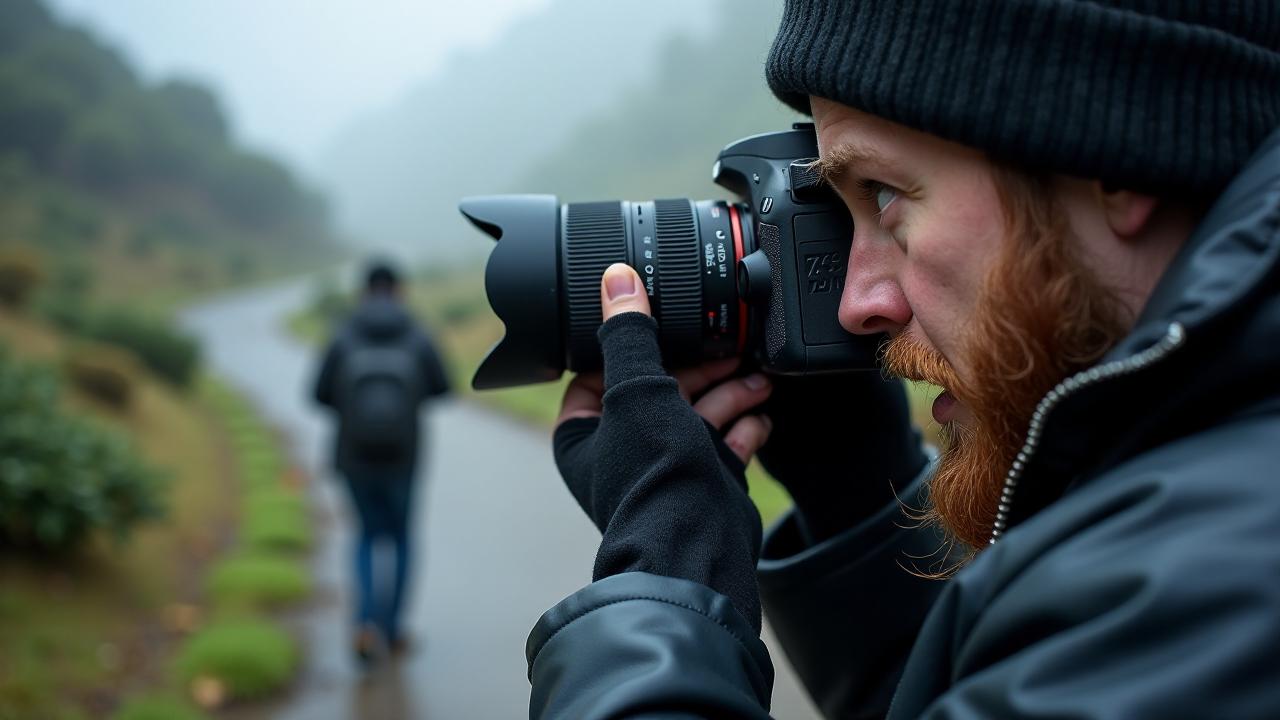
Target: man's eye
[885,196]
[879,193]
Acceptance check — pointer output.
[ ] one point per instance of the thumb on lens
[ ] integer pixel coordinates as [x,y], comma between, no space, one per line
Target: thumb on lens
[621,291]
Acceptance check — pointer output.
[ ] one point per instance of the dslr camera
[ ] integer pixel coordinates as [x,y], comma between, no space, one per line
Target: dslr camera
[760,278]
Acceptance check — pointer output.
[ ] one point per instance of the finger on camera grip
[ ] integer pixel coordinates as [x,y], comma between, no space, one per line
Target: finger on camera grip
[582,398]
[748,435]
[728,400]
[694,380]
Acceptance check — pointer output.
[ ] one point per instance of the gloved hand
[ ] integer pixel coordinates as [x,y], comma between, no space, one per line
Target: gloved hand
[653,471]
[842,446]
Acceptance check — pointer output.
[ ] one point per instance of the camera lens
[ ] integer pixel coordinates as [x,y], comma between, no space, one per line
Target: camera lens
[543,279]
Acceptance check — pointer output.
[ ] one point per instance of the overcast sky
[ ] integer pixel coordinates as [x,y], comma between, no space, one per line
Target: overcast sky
[292,73]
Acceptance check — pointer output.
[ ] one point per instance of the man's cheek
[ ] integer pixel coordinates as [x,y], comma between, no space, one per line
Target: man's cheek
[931,312]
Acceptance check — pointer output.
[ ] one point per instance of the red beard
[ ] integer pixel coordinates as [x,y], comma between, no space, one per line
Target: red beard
[1041,316]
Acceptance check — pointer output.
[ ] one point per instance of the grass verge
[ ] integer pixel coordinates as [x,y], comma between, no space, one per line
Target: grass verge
[158,707]
[257,581]
[242,654]
[242,658]
[276,521]
[108,632]
[81,633]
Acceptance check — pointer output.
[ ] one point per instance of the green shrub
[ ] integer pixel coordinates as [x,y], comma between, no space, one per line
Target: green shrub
[457,312]
[158,707]
[21,272]
[260,464]
[276,520]
[249,657]
[61,477]
[251,438]
[65,301]
[103,373]
[246,432]
[258,581]
[331,304]
[168,352]
[65,312]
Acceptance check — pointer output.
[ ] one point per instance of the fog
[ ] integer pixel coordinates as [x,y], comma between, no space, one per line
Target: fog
[395,110]
[293,73]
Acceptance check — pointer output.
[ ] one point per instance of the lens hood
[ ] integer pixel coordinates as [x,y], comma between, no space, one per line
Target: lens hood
[521,281]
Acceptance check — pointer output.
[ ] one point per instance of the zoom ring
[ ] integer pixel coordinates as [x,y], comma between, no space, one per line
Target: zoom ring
[679,281]
[595,237]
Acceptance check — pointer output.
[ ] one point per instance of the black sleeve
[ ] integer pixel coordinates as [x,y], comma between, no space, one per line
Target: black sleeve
[640,645]
[847,610]
[325,390]
[433,370]
[842,445]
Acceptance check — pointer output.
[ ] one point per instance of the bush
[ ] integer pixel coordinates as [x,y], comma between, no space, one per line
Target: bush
[65,302]
[330,304]
[276,520]
[251,581]
[158,707]
[457,312]
[103,373]
[62,478]
[168,352]
[65,312]
[21,272]
[260,462]
[249,658]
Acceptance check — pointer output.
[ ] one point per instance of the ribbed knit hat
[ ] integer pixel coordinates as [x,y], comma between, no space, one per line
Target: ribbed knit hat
[1157,95]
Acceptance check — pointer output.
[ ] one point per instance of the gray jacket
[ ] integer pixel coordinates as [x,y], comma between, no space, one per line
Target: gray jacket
[1136,570]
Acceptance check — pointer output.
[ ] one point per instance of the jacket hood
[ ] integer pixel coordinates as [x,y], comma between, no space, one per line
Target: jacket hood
[1206,349]
[380,319]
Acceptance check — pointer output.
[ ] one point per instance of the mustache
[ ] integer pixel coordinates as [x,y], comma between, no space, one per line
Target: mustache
[907,357]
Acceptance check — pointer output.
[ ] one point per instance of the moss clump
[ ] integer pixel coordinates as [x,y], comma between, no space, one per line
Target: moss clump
[158,707]
[276,521]
[258,581]
[250,658]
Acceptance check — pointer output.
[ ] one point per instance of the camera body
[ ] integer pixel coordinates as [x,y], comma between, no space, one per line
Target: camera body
[793,279]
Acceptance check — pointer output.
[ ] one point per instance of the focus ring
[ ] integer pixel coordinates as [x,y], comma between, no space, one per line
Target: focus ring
[679,281]
[595,237]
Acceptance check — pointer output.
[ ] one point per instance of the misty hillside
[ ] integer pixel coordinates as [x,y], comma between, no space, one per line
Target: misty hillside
[109,172]
[662,138]
[481,122]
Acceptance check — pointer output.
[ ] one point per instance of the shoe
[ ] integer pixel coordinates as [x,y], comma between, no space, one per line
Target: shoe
[368,644]
[400,645]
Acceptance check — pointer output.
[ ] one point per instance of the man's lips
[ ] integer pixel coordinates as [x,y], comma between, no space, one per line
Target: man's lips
[945,408]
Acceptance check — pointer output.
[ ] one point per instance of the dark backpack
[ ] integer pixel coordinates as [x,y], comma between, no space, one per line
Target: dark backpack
[380,388]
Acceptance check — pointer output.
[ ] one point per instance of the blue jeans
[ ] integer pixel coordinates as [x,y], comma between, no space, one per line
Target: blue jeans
[383,501]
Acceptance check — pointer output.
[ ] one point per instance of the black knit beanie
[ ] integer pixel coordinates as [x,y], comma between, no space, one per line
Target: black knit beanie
[1155,95]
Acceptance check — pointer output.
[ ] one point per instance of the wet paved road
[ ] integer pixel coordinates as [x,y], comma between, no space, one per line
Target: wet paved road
[499,540]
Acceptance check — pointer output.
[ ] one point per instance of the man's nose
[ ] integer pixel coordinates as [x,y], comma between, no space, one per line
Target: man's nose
[872,301]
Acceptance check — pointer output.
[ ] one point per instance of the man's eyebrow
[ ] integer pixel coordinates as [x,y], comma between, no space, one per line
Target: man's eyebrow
[840,160]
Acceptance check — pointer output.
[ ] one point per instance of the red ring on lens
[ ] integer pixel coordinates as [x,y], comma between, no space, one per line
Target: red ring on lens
[736,225]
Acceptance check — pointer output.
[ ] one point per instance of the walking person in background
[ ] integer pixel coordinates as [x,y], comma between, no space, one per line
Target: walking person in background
[377,372]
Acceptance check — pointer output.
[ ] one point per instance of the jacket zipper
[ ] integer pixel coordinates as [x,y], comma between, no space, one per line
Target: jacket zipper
[1173,338]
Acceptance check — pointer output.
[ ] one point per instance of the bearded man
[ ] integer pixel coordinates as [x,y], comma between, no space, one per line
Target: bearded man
[1067,216]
